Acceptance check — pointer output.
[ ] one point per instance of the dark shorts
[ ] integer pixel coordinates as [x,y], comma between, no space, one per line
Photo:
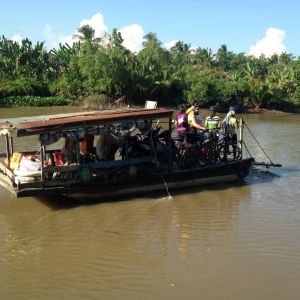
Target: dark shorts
[233,139]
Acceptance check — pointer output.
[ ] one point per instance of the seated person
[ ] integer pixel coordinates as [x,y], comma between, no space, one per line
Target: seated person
[86,147]
[50,161]
[107,147]
[58,158]
[69,150]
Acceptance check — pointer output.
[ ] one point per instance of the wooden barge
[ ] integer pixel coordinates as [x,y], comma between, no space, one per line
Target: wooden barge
[124,175]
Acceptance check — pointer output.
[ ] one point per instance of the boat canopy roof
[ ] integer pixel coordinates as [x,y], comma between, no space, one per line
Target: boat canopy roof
[25,126]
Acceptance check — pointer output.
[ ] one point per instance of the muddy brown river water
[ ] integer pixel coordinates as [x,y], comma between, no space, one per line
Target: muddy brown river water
[235,241]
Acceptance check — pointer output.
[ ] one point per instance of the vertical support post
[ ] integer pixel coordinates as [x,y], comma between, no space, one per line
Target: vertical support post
[153,150]
[126,154]
[170,166]
[11,145]
[8,148]
[42,157]
[241,141]
[77,150]
[126,148]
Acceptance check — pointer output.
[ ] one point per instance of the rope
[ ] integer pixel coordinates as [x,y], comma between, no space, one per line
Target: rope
[247,148]
[258,143]
[165,182]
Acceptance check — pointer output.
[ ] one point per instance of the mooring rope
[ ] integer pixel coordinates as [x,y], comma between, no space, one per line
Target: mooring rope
[246,148]
[258,143]
[165,183]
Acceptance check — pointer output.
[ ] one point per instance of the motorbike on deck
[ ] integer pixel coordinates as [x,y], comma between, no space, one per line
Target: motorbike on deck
[150,141]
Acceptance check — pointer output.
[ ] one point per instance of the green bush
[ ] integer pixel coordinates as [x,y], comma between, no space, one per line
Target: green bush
[34,101]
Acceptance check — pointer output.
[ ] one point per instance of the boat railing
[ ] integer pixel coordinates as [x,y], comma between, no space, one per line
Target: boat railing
[84,172]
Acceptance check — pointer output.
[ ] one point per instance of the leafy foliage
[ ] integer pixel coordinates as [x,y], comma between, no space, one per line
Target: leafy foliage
[34,101]
[94,67]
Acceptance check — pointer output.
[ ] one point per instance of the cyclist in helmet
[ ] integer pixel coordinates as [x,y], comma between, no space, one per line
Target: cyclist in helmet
[227,120]
[212,121]
[179,122]
[231,124]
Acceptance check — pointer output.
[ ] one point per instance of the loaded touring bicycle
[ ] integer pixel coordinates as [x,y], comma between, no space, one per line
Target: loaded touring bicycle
[108,153]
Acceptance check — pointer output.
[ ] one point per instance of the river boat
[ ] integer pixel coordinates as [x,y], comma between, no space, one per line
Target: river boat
[124,174]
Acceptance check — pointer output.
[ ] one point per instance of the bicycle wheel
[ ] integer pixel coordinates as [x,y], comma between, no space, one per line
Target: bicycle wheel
[202,156]
[180,158]
[237,153]
[213,157]
[223,153]
[190,158]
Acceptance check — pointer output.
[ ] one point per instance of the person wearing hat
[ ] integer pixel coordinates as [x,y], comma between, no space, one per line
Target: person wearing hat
[212,121]
[231,124]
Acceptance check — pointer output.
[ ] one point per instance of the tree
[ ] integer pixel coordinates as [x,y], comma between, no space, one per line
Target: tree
[224,58]
[86,34]
[255,75]
[205,57]
[181,53]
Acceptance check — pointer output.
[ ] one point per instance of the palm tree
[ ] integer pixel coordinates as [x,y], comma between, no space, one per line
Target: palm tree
[181,53]
[86,34]
[224,58]
[204,56]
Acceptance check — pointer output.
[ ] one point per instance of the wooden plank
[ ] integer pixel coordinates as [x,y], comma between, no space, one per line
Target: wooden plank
[118,163]
[62,182]
[61,169]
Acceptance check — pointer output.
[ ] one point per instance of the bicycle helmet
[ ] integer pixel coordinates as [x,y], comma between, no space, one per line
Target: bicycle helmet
[181,108]
[212,108]
[232,110]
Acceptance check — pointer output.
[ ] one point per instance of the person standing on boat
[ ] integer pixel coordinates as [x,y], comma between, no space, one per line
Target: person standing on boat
[198,119]
[194,120]
[179,123]
[212,121]
[231,124]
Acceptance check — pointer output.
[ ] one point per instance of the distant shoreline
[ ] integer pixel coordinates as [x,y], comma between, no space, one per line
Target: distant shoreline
[243,111]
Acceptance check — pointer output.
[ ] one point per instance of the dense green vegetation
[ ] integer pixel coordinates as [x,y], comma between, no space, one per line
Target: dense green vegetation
[103,66]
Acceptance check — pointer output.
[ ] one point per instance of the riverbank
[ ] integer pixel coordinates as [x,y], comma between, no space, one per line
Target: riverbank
[270,111]
[32,101]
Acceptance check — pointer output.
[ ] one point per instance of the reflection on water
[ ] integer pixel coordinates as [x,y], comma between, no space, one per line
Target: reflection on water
[237,241]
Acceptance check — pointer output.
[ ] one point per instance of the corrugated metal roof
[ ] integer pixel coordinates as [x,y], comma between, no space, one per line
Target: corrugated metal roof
[37,124]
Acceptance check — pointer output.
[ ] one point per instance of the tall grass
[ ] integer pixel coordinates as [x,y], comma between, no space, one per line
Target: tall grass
[98,101]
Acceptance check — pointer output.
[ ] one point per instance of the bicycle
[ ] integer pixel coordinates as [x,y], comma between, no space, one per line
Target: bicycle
[228,149]
[198,153]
